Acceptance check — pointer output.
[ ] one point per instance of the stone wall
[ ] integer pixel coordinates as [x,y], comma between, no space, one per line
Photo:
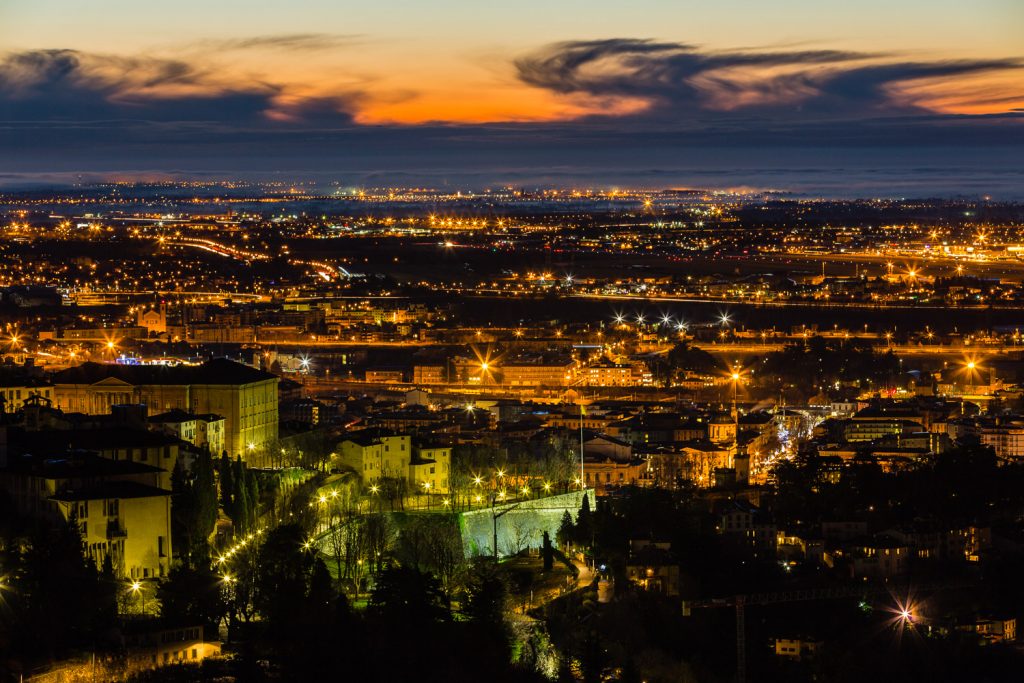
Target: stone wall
[520,526]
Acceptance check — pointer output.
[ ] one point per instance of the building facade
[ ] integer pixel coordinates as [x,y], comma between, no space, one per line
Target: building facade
[245,397]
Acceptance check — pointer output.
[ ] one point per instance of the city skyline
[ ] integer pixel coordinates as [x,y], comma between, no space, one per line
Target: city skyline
[647,95]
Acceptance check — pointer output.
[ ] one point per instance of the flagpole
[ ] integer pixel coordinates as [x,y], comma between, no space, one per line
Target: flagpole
[582,480]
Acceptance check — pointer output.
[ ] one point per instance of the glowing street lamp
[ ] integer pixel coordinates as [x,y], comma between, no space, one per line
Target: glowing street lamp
[136,588]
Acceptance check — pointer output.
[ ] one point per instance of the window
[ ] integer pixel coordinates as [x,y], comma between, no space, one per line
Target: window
[160,546]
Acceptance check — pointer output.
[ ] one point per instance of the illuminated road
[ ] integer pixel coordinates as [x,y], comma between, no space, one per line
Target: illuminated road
[898,349]
[783,304]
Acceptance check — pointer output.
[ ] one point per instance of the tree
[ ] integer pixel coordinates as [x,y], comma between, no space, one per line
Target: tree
[182,510]
[379,539]
[408,596]
[281,582]
[192,595]
[584,529]
[55,593]
[321,596]
[227,483]
[193,509]
[485,602]
[239,509]
[548,553]
[566,530]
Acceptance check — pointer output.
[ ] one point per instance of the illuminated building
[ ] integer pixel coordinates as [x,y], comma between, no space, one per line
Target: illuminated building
[376,456]
[246,397]
[204,431]
[121,506]
[538,374]
[14,394]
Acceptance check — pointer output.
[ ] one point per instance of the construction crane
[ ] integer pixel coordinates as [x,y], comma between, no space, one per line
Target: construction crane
[740,602]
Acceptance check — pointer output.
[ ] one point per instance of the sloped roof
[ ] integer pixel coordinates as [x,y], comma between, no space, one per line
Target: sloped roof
[112,489]
[216,371]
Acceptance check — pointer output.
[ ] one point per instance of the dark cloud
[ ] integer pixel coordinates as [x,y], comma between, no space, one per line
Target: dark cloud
[83,90]
[676,78]
[721,118]
[289,41]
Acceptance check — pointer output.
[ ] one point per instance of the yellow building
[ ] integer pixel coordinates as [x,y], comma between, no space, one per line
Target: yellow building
[128,521]
[428,374]
[150,648]
[430,468]
[159,451]
[246,397]
[610,375]
[537,374]
[204,431]
[13,395]
[375,456]
[120,506]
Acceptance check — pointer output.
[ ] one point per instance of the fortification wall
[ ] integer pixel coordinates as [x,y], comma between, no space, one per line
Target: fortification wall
[520,525]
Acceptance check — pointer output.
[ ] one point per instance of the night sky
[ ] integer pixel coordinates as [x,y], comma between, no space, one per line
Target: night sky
[873,97]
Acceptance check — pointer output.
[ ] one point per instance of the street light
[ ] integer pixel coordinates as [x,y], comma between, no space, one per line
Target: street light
[136,588]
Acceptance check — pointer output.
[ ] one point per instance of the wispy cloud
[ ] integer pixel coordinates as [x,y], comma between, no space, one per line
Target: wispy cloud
[685,107]
[675,79]
[72,86]
[287,41]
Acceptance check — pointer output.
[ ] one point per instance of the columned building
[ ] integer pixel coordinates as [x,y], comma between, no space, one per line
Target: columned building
[245,397]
